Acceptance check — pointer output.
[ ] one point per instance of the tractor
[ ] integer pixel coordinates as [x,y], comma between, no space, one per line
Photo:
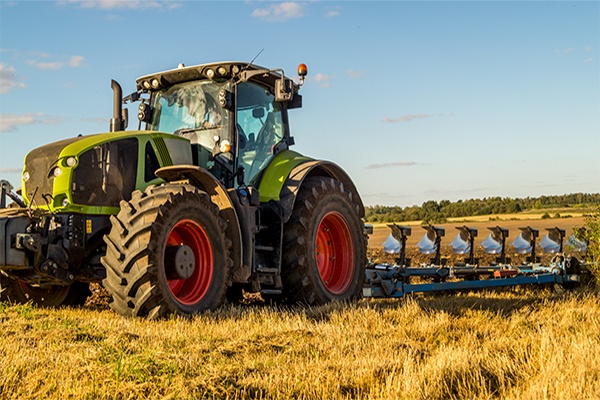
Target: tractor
[203,202]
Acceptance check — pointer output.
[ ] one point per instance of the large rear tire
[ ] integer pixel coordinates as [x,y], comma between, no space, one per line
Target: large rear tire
[325,248]
[167,254]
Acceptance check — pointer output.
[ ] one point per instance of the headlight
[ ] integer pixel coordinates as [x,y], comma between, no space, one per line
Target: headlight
[57,171]
[65,202]
[71,161]
[26,176]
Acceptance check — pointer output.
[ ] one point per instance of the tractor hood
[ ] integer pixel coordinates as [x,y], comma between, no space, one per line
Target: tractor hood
[70,172]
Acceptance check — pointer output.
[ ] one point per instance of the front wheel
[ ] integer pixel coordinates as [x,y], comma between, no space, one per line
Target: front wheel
[14,290]
[167,254]
[325,254]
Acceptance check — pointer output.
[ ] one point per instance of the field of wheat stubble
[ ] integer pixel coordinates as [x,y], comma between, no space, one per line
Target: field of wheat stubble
[520,343]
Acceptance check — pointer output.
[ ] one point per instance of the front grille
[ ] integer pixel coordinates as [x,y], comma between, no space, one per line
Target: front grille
[106,174]
[38,164]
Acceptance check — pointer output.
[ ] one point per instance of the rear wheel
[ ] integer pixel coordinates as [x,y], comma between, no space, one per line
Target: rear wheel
[325,248]
[167,253]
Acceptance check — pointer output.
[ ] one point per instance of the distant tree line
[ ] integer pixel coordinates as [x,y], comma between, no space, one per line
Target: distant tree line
[437,212]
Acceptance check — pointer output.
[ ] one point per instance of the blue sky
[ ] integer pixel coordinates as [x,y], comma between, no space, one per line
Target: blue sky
[417,101]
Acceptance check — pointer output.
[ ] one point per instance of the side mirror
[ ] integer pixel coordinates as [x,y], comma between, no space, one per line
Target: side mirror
[284,89]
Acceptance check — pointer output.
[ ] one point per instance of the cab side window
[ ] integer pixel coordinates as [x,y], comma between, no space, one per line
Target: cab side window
[260,127]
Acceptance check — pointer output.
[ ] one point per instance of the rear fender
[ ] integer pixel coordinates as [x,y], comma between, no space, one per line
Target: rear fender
[283,178]
[296,177]
[274,177]
[204,180]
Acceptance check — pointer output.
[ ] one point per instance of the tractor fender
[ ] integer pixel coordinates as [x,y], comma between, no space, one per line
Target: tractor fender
[204,180]
[296,177]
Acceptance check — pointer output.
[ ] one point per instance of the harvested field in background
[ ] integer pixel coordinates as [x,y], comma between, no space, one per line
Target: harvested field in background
[515,344]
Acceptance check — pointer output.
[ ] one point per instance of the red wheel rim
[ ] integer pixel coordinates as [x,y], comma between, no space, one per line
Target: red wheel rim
[191,291]
[335,253]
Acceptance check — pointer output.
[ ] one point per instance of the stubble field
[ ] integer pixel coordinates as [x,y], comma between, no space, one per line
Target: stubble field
[521,343]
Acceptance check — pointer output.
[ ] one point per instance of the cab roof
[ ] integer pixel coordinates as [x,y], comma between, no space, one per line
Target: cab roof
[224,70]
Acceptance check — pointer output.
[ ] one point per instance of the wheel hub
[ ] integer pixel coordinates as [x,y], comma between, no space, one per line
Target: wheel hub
[180,262]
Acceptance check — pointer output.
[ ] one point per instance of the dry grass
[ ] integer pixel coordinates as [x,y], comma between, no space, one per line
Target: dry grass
[518,344]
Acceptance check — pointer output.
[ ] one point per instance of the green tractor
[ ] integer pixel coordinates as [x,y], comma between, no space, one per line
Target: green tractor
[203,202]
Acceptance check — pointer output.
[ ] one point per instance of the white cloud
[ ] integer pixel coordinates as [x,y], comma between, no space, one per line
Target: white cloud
[73,62]
[122,4]
[280,12]
[11,122]
[76,61]
[333,12]
[407,118]
[10,170]
[54,65]
[354,73]
[8,80]
[392,165]
[40,54]
[571,50]
[322,79]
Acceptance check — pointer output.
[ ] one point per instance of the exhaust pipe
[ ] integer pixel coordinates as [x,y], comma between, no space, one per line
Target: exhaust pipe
[117,122]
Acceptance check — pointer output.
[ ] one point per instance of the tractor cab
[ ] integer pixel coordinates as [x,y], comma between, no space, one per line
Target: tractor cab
[233,114]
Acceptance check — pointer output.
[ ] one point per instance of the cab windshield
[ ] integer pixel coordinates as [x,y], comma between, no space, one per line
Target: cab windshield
[190,110]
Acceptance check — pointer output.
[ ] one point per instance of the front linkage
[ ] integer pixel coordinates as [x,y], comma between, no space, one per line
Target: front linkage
[49,256]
